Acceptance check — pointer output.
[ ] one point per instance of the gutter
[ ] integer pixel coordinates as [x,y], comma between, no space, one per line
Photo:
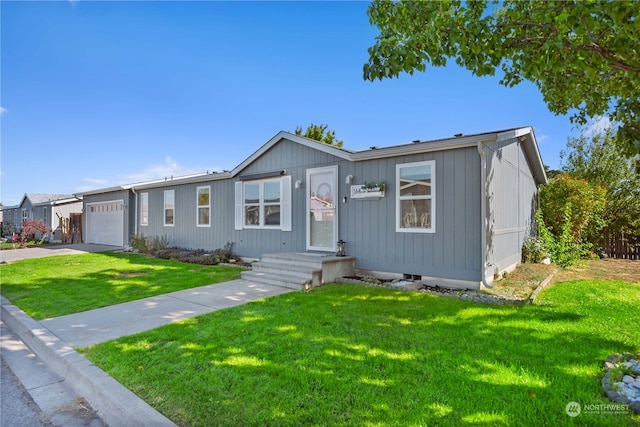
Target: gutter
[483,216]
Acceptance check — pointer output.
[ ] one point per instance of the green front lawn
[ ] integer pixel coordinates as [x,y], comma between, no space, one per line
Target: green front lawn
[346,355]
[59,285]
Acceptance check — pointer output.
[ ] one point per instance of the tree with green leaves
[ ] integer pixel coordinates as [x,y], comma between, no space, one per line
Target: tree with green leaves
[586,217]
[582,55]
[320,133]
[595,158]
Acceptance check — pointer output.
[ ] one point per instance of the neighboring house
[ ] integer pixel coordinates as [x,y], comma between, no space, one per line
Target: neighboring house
[47,208]
[453,212]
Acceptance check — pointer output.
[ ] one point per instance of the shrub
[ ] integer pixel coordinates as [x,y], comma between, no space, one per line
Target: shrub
[565,249]
[30,229]
[159,243]
[139,243]
[534,250]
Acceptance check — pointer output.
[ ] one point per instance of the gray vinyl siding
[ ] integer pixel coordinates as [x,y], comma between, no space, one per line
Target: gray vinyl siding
[511,203]
[368,226]
[289,156]
[453,251]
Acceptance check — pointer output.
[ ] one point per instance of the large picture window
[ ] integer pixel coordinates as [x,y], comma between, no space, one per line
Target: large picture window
[169,208]
[204,206]
[144,208]
[415,197]
[262,203]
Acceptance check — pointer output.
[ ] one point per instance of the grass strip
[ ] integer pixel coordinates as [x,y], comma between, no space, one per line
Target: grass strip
[345,355]
[59,285]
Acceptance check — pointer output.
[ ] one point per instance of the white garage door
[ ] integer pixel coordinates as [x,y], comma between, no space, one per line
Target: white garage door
[105,223]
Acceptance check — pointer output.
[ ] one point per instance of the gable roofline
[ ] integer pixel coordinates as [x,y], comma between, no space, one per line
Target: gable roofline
[531,149]
[525,134]
[307,142]
[41,199]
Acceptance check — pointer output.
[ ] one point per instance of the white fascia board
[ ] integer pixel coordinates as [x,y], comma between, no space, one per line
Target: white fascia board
[514,133]
[423,147]
[66,201]
[533,152]
[99,191]
[170,182]
[528,139]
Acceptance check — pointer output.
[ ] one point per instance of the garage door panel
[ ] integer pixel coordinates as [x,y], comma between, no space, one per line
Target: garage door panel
[105,223]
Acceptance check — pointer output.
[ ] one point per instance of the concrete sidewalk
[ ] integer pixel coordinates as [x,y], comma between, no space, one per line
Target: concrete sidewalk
[103,324]
[53,341]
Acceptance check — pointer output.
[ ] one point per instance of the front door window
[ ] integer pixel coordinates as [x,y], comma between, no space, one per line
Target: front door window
[322,224]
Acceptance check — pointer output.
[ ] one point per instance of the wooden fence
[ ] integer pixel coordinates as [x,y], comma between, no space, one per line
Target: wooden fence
[618,245]
[71,228]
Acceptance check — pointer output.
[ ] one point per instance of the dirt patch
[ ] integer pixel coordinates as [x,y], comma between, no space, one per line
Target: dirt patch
[128,274]
[602,269]
[522,281]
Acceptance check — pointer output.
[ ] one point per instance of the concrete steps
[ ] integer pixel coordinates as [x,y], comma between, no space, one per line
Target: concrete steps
[299,270]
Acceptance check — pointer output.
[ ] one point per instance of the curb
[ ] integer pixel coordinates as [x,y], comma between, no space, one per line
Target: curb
[541,286]
[114,403]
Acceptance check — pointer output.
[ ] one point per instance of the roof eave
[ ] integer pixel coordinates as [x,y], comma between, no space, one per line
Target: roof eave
[423,147]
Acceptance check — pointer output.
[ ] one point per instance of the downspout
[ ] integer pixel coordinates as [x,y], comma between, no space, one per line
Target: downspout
[483,214]
[135,218]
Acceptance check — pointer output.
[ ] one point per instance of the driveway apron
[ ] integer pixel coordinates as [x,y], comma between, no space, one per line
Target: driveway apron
[12,255]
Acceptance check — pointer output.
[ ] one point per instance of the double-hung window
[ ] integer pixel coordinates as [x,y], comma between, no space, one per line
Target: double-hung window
[264,204]
[144,208]
[204,206]
[416,199]
[169,208]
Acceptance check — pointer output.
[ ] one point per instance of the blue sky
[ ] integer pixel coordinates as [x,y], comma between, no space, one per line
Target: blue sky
[97,94]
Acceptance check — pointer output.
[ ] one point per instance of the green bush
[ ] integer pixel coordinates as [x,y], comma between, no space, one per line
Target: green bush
[139,243]
[534,250]
[564,250]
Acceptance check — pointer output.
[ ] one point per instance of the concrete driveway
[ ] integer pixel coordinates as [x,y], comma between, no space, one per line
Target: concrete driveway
[52,250]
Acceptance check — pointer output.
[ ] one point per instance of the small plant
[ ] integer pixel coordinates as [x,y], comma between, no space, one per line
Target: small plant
[380,186]
[616,375]
[139,243]
[534,250]
[159,243]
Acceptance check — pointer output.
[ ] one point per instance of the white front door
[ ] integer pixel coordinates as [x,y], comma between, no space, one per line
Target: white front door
[322,214]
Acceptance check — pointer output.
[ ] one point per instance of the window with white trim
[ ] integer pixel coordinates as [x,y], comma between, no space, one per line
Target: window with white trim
[262,204]
[203,206]
[144,208]
[169,208]
[415,197]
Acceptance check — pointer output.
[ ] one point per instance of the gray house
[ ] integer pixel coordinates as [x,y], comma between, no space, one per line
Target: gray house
[452,212]
[47,208]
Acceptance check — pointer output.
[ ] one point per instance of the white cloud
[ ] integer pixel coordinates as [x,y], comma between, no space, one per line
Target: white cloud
[3,110]
[96,181]
[597,126]
[159,171]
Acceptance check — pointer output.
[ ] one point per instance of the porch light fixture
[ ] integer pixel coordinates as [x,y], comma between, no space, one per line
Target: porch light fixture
[298,184]
[340,251]
[348,179]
